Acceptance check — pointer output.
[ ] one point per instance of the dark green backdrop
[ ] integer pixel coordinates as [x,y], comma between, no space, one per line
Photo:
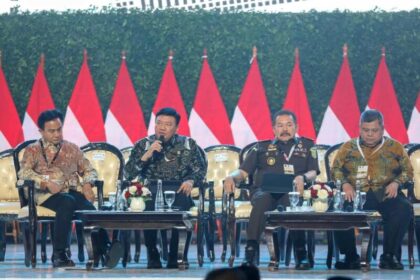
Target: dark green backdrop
[229,38]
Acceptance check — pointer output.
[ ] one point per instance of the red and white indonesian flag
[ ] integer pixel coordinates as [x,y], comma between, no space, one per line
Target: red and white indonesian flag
[209,122]
[124,123]
[39,101]
[10,126]
[341,120]
[84,122]
[251,120]
[414,126]
[169,95]
[384,99]
[297,102]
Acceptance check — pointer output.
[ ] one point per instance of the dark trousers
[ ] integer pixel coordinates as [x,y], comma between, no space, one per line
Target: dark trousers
[183,203]
[263,202]
[64,205]
[395,212]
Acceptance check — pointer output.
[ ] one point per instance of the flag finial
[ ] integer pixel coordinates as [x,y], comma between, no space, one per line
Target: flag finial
[296,53]
[205,53]
[85,54]
[42,59]
[0,58]
[171,54]
[383,51]
[123,55]
[254,52]
[345,50]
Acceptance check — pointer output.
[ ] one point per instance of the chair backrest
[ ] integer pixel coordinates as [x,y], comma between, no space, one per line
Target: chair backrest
[17,158]
[321,150]
[221,160]
[329,159]
[108,162]
[8,190]
[414,154]
[126,152]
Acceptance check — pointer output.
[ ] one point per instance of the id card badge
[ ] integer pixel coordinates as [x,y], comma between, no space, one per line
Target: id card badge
[362,172]
[289,169]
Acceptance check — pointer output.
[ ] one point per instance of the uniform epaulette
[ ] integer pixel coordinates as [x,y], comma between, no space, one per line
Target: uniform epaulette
[307,139]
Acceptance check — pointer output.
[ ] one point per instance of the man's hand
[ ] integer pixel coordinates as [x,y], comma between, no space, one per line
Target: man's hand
[229,185]
[391,190]
[156,146]
[88,192]
[300,184]
[349,191]
[53,187]
[186,187]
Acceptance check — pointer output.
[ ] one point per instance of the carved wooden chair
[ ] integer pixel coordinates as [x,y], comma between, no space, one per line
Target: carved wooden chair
[414,193]
[31,214]
[9,196]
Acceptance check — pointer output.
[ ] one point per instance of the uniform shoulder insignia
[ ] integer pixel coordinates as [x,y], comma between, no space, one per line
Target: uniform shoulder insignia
[306,139]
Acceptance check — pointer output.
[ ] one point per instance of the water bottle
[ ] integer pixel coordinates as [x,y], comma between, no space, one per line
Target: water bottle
[159,202]
[121,203]
[357,197]
[338,204]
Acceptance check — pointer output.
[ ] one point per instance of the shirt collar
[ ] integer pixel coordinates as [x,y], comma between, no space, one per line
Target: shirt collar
[47,144]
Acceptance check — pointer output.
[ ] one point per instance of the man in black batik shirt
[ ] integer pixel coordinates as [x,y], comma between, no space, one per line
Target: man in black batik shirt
[167,156]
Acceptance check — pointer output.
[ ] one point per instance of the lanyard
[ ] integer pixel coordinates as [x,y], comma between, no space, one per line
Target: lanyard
[377,149]
[45,155]
[287,157]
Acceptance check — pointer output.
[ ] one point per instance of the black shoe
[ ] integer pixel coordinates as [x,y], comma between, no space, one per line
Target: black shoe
[173,263]
[389,261]
[113,254]
[153,259]
[348,263]
[60,259]
[250,254]
[303,264]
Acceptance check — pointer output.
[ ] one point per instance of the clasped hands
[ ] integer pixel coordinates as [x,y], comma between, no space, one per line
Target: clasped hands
[391,191]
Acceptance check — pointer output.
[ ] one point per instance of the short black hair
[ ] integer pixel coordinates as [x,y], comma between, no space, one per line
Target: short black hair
[49,115]
[371,116]
[168,111]
[284,113]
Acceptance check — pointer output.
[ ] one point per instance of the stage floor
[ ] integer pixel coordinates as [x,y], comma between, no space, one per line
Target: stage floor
[13,267]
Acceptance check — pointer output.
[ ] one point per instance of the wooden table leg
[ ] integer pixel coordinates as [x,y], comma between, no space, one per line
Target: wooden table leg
[87,235]
[272,244]
[182,233]
[364,253]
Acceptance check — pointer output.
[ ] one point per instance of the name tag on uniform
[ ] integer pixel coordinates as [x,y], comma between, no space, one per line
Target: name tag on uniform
[289,169]
[362,171]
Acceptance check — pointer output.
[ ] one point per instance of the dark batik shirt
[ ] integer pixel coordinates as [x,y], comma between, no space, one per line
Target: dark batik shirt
[180,160]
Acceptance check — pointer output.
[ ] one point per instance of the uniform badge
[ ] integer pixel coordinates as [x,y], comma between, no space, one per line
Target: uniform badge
[313,152]
[271,161]
[272,147]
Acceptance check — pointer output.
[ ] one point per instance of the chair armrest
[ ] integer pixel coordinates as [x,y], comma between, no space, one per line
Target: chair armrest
[409,186]
[30,185]
[99,184]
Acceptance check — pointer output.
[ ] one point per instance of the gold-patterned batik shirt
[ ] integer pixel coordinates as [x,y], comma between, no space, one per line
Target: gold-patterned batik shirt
[385,164]
[62,163]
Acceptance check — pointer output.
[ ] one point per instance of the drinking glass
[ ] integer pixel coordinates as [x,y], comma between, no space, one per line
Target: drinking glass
[362,200]
[169,198]
[112,199]
[294,199]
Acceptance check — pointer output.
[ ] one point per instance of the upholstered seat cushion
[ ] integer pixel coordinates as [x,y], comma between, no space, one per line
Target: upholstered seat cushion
[41,211]
[9,208]
[242,207]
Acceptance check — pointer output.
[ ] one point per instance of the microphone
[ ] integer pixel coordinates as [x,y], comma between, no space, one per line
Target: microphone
[158,155]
